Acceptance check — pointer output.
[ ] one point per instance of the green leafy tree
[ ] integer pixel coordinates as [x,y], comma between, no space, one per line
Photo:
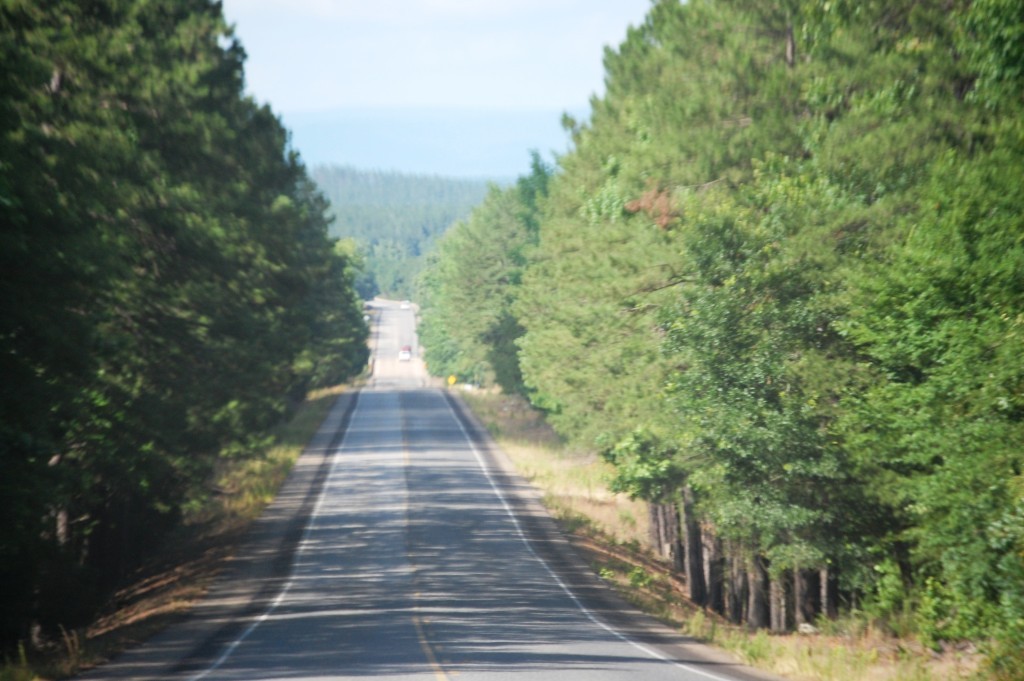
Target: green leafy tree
[167,285]
[474,278]
[777,279]
[941,426]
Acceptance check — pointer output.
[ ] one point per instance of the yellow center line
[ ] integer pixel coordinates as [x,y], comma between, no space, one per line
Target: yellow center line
[439,673]
[421,634]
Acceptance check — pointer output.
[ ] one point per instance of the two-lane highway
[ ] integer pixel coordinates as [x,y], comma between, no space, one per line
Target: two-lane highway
[416,564]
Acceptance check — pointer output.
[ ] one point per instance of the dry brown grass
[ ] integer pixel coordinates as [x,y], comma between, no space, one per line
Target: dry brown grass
[574,483]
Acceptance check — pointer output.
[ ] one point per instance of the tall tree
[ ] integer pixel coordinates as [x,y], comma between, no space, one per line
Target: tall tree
[776,281]
[941,425]
[474,276]
[167,284]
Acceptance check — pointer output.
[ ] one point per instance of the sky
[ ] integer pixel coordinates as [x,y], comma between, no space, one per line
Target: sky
[450,87]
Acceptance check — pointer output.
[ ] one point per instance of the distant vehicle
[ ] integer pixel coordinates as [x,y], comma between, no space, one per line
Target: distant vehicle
[404,305]
[405,354]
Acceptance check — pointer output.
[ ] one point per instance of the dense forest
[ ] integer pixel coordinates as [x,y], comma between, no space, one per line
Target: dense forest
[393,219]
[778,282]
[167,288]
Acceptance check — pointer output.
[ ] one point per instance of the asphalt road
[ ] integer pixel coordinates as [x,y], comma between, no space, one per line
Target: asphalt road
[414,554]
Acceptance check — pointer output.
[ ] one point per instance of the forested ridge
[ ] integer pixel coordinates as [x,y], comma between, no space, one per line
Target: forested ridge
[393,219]
[778,282]
[167,289]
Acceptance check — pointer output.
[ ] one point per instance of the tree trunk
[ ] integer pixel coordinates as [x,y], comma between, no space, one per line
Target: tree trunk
[656,530]
[62,527]
[739,591]
[757,603]
[664,533]
[675,537]
[829,608]
[777,602]
[714,571]
[800,601]
[790,47]
[805,588]
[694,551]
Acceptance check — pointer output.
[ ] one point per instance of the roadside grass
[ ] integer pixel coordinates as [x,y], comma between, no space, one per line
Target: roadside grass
[574,483]
[172,582]
[17,670]
[245,487]
[610,530]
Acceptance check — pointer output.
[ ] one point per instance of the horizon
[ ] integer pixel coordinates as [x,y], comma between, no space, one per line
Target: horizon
[459,89]
[463,143]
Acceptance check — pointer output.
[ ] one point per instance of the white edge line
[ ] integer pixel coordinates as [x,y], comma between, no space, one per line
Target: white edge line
[568,592]
[508,511]
[300,549]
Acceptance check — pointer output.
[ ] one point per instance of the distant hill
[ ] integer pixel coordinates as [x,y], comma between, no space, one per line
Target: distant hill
[447,142]
[394,218]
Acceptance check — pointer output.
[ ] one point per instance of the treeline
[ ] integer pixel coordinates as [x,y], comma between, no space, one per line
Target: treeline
[167,288]
[779,283]
[394,219]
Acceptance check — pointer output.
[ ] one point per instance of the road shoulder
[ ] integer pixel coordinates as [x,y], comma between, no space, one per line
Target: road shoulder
[249,580]
[556,549]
